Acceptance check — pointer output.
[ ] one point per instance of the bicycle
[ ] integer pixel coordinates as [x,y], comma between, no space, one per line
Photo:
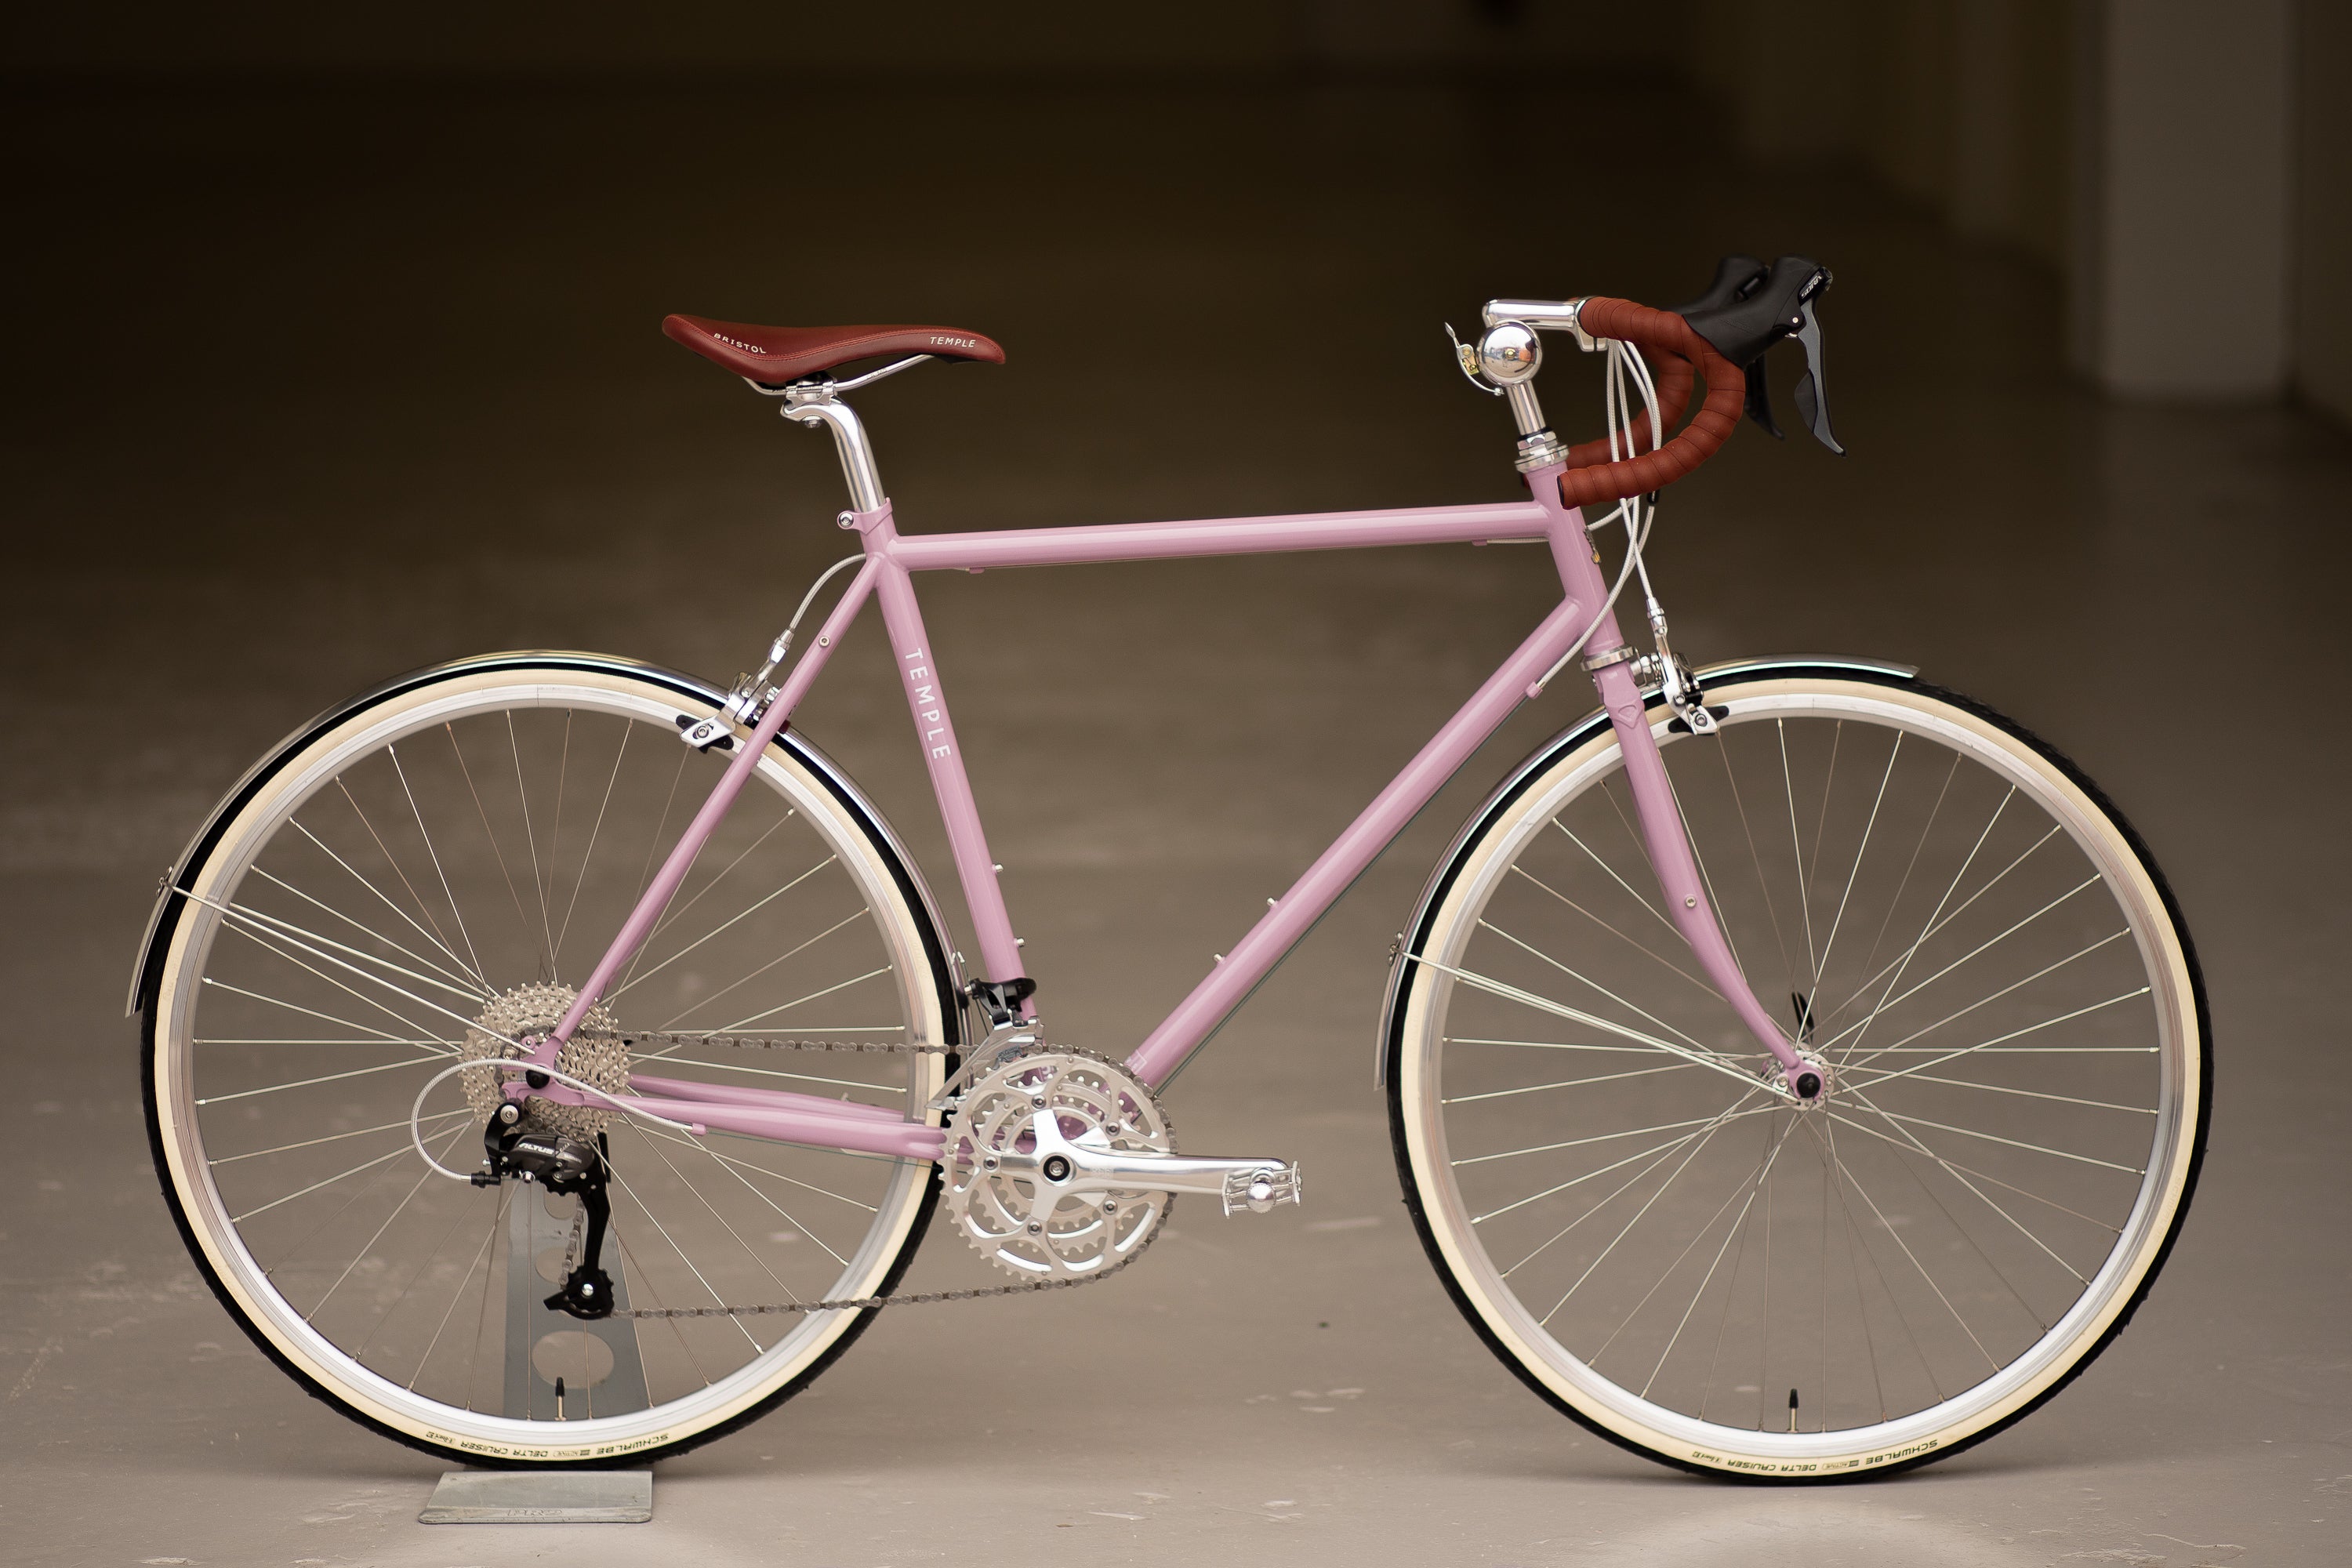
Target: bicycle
[1883,1084]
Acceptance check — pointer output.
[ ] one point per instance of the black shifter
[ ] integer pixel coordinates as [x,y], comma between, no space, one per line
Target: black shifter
[1750,306]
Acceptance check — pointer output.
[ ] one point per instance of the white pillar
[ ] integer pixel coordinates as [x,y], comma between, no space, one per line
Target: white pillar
[2181,284]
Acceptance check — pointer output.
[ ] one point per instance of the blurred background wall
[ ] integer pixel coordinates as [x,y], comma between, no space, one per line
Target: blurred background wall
[2186,165]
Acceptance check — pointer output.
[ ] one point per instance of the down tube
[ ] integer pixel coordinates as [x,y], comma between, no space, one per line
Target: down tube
[1228,984]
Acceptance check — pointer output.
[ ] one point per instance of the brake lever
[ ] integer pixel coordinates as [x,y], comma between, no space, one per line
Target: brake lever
[1760,401]
[1813,392]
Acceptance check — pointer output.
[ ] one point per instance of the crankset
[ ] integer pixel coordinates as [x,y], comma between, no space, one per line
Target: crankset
[1060,1165]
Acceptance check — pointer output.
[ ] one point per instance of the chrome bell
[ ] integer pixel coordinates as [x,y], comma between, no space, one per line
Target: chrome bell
[1510,351]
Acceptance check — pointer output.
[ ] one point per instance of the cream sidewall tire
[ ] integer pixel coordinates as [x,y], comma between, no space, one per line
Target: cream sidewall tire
[909,930]
[1441,929]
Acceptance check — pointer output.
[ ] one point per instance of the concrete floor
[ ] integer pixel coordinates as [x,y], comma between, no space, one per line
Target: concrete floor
[309,387]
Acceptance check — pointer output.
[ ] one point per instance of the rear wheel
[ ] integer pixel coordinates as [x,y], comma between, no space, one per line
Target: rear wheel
[1969,937]
[455,851]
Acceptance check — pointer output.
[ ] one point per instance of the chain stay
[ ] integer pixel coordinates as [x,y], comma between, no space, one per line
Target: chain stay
[853,1303]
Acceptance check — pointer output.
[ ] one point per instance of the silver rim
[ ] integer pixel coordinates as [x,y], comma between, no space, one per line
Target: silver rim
[1993,980]
[458,845]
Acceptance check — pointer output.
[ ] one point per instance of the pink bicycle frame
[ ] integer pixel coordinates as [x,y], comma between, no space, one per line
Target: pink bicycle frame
[886,574]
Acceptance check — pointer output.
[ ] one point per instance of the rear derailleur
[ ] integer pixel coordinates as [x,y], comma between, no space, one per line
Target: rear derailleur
[567,1167]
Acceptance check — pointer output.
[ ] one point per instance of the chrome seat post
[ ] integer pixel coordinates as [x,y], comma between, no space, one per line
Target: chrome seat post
[814,404]
[817,401]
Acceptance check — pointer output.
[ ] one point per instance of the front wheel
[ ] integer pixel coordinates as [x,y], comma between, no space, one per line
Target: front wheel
[441,862]
[1958,924]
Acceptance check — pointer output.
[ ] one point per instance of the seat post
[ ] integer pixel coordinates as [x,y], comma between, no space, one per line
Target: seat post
[813,404]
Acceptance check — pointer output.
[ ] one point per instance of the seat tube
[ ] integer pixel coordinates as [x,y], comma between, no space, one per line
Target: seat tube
[910,651]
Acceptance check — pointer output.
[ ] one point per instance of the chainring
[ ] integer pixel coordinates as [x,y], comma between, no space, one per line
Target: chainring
[598,1054]
[1018,1219]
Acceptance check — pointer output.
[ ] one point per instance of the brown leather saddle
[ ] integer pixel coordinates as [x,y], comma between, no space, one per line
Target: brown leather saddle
[775,355]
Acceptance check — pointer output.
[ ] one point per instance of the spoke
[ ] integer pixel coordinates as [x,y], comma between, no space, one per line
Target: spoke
[736,1168]
[1797,849]
[710,1142]
[1612,930]
[672,1022]
[1546,1045]
[359,1352]
[1594,1138]
[637,1271]
[446,1139]
[316,1186]
[492,834]
[1850,1180]
[1706,876]
[1564,1083]
[1731,1285]
[726,1224]
[432,937]
[1910,1143]
[1703,1138]
[1926,830]
[1753,1185]
[265,942]
[1998,1045]
[439,939]
[1937,919]
[724,925]
[1629,1006]
[645,876]
[336,1137]
[1756,859]
[1909,1140]
[383,1037]
[306,1082]
[379,1040]
[1820,834]
[788,1006]
[1982,1001]
[538,880]
[2011,1143]
[1870,826]
[365,975]
[459,1295]
[1663,1153]
[1861,1306]
[670,916]
[482,1319]
[1861,1024]
[434,855]
[1561,1009]
[2029,1093]
[312,943]
[594,831]
[465,981]
[1637,894]
[716,1299]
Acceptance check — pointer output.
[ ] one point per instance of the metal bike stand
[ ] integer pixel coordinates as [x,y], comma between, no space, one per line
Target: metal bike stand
[557,1367]
[556,1497]
[597,1361]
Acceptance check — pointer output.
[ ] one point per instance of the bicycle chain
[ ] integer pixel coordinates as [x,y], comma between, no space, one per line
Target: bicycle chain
[635,1038]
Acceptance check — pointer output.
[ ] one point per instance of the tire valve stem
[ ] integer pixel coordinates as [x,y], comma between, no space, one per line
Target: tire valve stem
[1792,1410]
[559,1404]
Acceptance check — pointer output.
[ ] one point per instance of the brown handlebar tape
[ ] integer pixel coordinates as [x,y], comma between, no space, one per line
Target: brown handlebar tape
[1679,351]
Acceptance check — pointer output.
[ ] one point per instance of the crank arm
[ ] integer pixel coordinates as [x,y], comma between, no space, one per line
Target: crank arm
[1255,1184]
